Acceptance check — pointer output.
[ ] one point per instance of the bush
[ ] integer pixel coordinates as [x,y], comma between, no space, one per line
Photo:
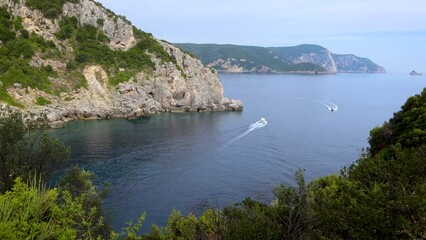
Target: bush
[121,77]
[26,151]
[50,9]
[67,27]
[42,101]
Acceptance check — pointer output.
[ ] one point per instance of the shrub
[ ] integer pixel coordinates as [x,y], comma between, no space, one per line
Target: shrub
[50,9]
[68,25]
[42,101]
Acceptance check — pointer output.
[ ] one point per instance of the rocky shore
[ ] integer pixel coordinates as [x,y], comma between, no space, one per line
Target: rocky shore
[168,89]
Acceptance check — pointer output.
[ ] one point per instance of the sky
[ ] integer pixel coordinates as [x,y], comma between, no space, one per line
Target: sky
[392,33]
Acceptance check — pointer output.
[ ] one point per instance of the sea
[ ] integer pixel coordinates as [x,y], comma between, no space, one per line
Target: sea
[192,161]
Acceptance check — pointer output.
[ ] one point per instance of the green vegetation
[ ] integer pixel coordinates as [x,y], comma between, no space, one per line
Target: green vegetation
[21,53]
[50,9]
[42,101]
[121,77]
[280,59]
[26,151]
[15,55]
[67,27]
[253,57]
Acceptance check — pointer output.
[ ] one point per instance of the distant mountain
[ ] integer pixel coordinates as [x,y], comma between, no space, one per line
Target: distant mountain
[305,58]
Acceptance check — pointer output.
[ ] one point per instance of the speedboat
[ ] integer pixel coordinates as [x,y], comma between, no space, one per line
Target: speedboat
[262,121]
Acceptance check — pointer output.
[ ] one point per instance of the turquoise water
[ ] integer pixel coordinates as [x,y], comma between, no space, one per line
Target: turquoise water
[185,160]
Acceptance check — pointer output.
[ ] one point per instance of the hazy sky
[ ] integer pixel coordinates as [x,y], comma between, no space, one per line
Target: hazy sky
[392,33]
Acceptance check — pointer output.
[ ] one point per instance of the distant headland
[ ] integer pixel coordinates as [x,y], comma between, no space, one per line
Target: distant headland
[306,58]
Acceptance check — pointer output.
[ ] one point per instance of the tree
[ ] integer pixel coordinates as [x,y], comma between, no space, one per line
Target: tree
[26,150]
[76,189]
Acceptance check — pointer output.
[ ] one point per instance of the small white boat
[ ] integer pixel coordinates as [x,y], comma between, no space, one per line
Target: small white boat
[262,121]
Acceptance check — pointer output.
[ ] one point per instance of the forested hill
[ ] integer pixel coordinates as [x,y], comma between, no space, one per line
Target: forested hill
[74,59]
[302,58]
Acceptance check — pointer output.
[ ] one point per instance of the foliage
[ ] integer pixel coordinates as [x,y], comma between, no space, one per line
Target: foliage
[5,97]
[26,151]
[274,58]
[67,27]
[50,9]
[6,26]
[91,49]
[42,101]
[32,212]
[383,194]
[121,77]
[407,127]
[15,55]
[148,43]
[286,218]
[76,189]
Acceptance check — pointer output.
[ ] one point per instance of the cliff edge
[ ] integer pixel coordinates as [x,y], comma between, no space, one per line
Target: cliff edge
[76,59]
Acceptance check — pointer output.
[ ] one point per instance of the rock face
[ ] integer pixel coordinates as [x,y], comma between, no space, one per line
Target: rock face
[352,63]
[242,65]
[322,58]
[178,86]
[119,31]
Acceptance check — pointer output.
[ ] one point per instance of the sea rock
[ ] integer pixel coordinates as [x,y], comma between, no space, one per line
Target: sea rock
[56,124]
[53,117]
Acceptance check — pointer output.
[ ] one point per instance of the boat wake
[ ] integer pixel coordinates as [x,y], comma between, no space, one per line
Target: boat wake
[259,124]
[330,106]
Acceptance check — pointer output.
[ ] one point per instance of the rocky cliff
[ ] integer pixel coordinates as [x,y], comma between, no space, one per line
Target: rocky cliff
[299,59]
[83,61]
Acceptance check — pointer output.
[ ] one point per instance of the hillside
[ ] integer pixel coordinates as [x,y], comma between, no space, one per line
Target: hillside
[302,58]
[74,59]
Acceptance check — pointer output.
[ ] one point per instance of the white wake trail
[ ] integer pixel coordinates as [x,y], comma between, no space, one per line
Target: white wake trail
[259,124]
[326,105]
[330,106]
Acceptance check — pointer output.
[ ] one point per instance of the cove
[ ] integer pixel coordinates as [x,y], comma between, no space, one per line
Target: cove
[184,160]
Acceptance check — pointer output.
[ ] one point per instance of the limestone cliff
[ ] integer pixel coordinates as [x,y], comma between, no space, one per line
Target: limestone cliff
[78,82]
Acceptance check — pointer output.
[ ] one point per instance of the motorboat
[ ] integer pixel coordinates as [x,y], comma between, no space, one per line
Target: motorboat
[262,121]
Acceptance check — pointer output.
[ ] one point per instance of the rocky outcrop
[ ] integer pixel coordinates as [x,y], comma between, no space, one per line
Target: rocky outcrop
[178,86]
[233,65]
[351,63]
[324,59]
[32,20]
[119,31]
[168,89]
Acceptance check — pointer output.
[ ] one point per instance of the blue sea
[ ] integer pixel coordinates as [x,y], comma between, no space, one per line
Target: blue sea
[188,161]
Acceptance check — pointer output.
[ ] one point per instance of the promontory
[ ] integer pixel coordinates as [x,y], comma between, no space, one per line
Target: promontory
[74,59]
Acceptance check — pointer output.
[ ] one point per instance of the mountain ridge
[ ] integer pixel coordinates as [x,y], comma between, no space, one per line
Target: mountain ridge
[304,58]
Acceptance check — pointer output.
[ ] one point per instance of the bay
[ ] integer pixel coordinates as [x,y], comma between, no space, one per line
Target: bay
[189,160]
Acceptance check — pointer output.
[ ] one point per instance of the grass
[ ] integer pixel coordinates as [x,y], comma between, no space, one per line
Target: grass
[43,101]
[5,97]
